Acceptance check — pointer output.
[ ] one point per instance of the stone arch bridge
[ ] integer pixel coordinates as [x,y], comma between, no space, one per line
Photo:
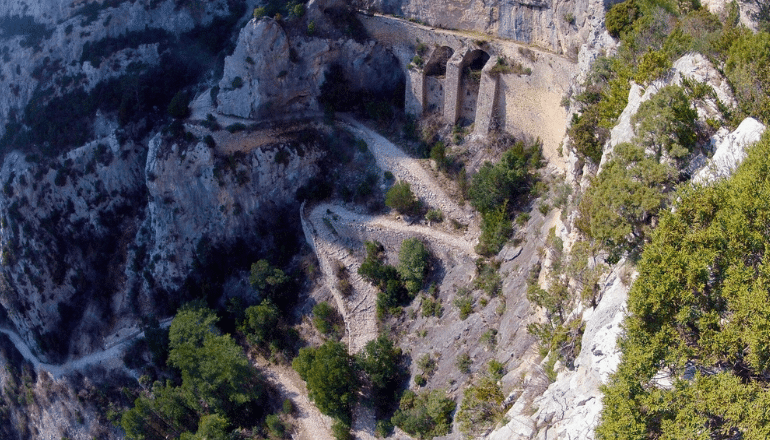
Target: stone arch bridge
[453,73]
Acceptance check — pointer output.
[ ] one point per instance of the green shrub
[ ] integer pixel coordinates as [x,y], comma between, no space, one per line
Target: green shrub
[327,320]
[506,180]
[587,136]
[425,415]
[330,376]
[237,82]
[287,407]
[401,198]
[179,105]
[431,307]
[481,408]
[748,70]
[619,19]
[275,426]
[413,264]
[496,369]
[384,364]
[438,154]
[653,65]
[434,215]
[341,430]
[260,323]
[464,363]
[464,303]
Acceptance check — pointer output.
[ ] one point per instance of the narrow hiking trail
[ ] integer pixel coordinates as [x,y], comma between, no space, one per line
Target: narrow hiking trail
[332,231]
[311,424]
[110,357]
[327,228]
[389,157]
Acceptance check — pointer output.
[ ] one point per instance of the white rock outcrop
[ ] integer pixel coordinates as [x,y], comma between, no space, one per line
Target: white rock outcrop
[730,151]
[570,406]
[694,67]
[268,75]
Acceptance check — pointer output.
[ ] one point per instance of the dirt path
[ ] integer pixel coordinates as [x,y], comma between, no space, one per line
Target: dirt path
[311,424]
[390,157]
[323,224]
[110,358]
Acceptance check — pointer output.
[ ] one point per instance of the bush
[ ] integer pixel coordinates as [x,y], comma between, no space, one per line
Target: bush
[331,379]
[587,136]
[667,123]
[383,363]
[621,17]
[413,264]
[434,215]
[618,208]
[237,82]
[327,320]
[179,105]
[401,198]
[275,426]
[464,363]
[425,415]
[506,180]
[481,408]
[496,229]
[464,303]
[341,430]
[260,323]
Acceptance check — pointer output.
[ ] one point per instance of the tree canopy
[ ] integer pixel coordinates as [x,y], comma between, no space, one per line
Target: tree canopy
[330,376]
[617,209]
[401,198]
[219,388]
[413,264]
[699,315]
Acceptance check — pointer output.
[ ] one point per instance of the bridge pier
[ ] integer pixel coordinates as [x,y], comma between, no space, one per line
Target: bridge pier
[453,86]
[485,106]
[414,102]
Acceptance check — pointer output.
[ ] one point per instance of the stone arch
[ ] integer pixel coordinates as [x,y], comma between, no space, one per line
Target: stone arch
[436,65]
[472,64]
[435,78]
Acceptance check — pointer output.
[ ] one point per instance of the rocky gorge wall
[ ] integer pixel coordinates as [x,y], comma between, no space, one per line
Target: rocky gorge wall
[561,26]
[42,42]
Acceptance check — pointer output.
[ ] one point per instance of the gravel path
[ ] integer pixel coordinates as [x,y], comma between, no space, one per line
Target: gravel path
[327,228]
[311,424]
[390,157]
[109,358]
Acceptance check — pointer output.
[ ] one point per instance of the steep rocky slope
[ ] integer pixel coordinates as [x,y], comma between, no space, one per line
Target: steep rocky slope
[146,213]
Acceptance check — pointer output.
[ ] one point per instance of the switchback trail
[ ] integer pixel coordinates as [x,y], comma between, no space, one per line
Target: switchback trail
[323,224]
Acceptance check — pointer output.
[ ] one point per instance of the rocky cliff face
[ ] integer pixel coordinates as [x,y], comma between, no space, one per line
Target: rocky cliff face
[42,43]
[198,197]
[269,73]
[558,25]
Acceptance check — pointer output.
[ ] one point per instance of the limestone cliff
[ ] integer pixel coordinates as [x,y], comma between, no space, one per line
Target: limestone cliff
[42,43]
[270,74]
[561,26]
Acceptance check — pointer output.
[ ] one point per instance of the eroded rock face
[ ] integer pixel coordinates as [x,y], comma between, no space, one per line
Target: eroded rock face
[570,407]
[730,151]
[558,25]
[748,10]
[44,54]
[195,194]
[64,223]
[268,74]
